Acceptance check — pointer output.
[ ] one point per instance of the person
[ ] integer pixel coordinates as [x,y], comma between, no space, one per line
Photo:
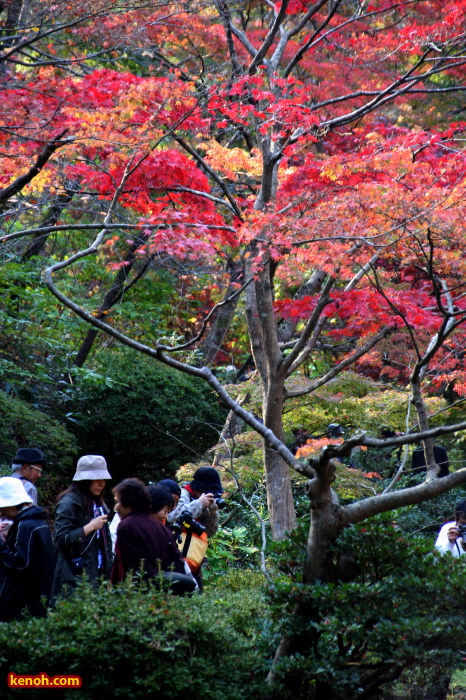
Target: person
[170,485]
[450,538]
[27,465]
[173,487]
[418,460]
[143,541]
[199,498]
[26,555]
[334,430]
[161,503]
[82,537]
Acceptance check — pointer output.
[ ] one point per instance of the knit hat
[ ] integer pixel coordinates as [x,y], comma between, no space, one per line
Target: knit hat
[207,480]
[12,492]
[29,455]
[91,467]
[171,486]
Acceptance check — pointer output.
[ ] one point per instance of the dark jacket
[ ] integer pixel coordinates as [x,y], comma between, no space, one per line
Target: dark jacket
[418,463]
[71,543]
[140,538]
[26,566]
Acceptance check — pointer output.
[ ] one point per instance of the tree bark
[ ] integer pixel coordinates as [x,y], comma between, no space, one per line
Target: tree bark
[212,342]
[267,357]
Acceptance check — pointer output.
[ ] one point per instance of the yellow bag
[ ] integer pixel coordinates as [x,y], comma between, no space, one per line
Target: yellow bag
[193,548]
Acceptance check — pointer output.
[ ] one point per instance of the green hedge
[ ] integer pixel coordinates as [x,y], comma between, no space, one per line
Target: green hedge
[141,643]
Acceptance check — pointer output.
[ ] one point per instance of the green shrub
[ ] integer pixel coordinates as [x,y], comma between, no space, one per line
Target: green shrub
[24,426]
[405,610]
[140,643]
[149,420]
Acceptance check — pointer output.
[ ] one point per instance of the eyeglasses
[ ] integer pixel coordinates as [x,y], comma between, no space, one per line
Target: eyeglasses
[34,466]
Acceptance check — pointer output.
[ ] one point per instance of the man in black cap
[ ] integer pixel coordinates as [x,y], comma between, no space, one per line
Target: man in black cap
[198,496]
[27,466]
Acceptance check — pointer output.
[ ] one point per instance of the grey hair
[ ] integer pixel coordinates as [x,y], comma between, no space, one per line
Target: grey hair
[16,467]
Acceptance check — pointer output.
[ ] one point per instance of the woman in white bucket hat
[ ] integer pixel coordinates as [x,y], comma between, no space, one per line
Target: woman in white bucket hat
[82,538]
[26,555]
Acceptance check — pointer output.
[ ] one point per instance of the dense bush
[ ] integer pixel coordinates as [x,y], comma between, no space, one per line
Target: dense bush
[404,610]
[149,420]
[141,643]
[21,425]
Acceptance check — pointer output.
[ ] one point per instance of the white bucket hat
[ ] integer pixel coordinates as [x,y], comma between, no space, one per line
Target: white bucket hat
[12,492]
[91,467]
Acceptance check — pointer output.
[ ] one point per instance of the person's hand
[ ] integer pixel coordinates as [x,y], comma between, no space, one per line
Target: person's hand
[4,527]
[453,534]
[206,499]
[98,523]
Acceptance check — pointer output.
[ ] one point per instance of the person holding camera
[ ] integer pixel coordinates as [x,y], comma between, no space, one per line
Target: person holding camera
[199,503]
[82,538]
[202,497]
[452,536]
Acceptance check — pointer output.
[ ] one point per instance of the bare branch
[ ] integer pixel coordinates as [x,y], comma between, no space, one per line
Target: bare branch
[340,366]
[192,151]
[41,160]
[356,512]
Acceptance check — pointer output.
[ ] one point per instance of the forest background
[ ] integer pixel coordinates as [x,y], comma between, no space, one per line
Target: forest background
[226,225]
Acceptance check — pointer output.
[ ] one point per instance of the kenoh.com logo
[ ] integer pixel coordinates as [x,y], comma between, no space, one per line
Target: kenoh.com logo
[43,680]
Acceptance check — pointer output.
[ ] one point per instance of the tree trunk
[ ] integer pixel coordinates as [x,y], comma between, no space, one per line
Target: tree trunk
[212,342]
[267,357]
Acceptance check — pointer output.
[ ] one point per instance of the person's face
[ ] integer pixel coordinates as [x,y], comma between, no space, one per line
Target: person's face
[122,510]
[32,472]
[176,498]
[161,515]
[9,512]
[97,486]
[461,519]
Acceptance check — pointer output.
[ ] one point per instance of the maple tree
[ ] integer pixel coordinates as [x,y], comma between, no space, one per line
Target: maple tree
[306,158]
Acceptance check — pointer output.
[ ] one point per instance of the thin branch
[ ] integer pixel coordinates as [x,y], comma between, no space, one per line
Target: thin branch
[406,452]
[156,353]
[268,41]
[92,227]
[324,300]
[340,366]
[41,160]
[192,151]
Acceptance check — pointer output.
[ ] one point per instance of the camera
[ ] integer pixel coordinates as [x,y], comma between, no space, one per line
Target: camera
[462,533]
[185,521]
[221,503]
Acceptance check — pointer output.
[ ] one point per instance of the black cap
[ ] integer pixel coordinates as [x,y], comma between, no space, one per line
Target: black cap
[29,455]
[206,480]
[171,485]
[461,507]
[334,430]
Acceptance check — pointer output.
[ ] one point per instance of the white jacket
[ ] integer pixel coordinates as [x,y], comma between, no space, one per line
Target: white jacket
[444,545]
